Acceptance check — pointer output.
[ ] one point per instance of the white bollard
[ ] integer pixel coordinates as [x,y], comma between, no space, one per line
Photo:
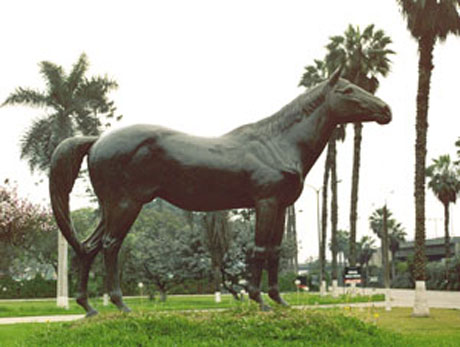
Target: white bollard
[217,296]
[335,289]
[322,290]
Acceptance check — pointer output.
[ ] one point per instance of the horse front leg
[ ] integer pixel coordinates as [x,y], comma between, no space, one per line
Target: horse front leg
[266,211]
[273,255]
[256,265]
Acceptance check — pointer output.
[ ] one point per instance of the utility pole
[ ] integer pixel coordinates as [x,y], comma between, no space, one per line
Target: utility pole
[320,248]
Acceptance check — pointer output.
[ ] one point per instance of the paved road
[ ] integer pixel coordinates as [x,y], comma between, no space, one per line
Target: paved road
[399,298]
[405,297]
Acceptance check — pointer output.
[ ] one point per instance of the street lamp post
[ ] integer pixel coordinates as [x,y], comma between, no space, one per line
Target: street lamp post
[321,256]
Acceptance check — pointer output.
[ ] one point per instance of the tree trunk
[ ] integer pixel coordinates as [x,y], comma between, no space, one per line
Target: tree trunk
[354,191]
[291,235]
[163,295]
[334,206]
[426,45]
[393,265]
[294,237]
[446,238]
[322,250]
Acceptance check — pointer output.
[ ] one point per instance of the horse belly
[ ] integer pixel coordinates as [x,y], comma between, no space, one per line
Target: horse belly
[204,189]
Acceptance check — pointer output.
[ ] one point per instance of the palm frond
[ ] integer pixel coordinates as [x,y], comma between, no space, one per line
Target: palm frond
[27,96]
[35,144]
[77,74]
[55,79]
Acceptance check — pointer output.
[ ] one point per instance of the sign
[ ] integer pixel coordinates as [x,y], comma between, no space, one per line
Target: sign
[301,282]
[352,274]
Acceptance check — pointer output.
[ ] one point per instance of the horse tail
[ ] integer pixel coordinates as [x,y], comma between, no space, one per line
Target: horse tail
[65,165]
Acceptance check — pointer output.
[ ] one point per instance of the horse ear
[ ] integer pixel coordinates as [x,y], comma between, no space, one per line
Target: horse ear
[335,76]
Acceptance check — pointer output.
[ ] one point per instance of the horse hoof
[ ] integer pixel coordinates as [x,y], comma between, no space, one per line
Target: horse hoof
[283,303]
[125,309]
[275,296]
[91,313]
[265,308]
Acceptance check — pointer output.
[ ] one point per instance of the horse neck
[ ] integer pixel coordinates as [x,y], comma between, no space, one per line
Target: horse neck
[310,136]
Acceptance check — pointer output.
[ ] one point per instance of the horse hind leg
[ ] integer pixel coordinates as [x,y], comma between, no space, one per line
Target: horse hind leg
[119,218]
[91,247]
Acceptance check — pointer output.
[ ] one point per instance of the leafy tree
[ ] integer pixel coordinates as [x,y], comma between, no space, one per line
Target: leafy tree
[235,271]
[428,21]
[74,103]
[445,184]
[217,237]
[18,217]
[23,227]
[164,253]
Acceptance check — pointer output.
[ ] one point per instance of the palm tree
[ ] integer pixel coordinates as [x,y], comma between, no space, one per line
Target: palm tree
[342,244]
[428,21]
[365,250]
[365,56]
[445,184]
[75,104]
[396,233]
[313,75]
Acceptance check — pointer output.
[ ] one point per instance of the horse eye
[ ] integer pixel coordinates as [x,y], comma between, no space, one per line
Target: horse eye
[348,90]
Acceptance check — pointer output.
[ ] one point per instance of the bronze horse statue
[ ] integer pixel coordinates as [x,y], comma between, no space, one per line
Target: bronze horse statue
[261,165]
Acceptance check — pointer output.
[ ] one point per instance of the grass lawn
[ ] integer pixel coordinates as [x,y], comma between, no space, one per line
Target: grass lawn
[246,326]
[442,328]
[187,302]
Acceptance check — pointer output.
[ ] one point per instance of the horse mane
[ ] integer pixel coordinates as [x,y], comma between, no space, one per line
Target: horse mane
[302,106]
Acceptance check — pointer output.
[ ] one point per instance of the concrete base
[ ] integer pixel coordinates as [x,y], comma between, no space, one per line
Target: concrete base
[62,301]
[421,308]
[322,289]
[352,290]
[217,297]
[335,289]
[105,299]
[388,299]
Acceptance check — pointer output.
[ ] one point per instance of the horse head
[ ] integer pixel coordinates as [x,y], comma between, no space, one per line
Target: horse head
[349,103]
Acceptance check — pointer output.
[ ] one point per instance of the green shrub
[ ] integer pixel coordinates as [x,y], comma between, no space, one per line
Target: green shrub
[37,287]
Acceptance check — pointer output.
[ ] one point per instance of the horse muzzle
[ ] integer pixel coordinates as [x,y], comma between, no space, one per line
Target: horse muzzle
[384,117]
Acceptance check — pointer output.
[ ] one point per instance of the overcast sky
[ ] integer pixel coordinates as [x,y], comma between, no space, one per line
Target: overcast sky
[206,67]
